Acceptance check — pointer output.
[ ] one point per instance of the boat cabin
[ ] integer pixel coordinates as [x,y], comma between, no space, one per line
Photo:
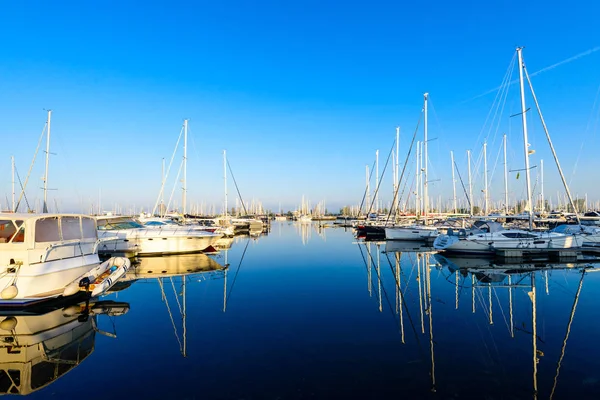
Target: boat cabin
[29,238]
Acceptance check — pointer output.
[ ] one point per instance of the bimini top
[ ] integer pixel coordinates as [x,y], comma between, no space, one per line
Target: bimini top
[16,228]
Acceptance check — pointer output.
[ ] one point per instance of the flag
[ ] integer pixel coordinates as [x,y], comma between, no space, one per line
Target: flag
[518,174]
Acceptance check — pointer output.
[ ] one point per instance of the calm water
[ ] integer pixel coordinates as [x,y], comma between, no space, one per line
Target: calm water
[306,314]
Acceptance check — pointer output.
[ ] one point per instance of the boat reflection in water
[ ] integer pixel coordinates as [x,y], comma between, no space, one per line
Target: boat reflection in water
[36,350]
[174,265]
[505,295]
[172,274]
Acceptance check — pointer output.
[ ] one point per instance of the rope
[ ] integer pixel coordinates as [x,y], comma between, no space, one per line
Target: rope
[31,167]
[237,189]
[162,186]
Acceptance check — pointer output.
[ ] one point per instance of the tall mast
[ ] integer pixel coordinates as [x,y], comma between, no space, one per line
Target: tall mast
[543,209]
[45,206]
[162,191]
[225,182]
[396,183]
[470,183]
[453,183]
[425,191]
[376,181]
[12,158]
[525,139]
[184,187]
[485,178]
[505,179]
[368,205]
[418,181]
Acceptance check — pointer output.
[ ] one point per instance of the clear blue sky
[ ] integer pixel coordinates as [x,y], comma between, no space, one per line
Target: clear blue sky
[300,94]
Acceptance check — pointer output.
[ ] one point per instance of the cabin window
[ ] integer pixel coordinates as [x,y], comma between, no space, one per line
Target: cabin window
[19,237]
[7,230]
[88,228]
[70,227]
[46,230]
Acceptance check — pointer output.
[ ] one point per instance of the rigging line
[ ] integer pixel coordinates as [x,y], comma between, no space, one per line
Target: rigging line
[412,142]
[381,177]
[31,167]
[409,191]
[162,186]
[236,273]
[498,91]
[564,345]
[174,187]
[23,191]
[548,68]
[164,298]
[175,293]
[462,184]
[412,325]
[238,190]
[502,99]
[583,142]
[501,309]
[500,151]
[366,188]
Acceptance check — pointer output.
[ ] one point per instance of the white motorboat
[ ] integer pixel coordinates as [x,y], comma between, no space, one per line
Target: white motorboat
[124,235]
[41,254]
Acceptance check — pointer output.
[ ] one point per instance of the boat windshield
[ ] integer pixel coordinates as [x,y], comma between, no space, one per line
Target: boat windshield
[12,231]
[117,223]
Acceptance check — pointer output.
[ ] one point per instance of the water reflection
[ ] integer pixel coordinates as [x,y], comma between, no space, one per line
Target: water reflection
[36,350]
[173,273]
[504,293]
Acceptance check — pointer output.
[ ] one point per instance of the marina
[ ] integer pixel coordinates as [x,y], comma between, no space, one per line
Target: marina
[299,200]
[307,312]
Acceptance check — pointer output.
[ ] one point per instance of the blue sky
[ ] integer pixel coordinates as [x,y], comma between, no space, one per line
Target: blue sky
[299,94]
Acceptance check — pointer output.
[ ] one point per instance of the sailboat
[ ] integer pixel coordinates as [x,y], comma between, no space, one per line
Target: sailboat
[489,242]
[415,231]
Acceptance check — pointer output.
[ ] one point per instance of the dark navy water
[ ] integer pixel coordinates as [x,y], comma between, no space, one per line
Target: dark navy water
[305,312]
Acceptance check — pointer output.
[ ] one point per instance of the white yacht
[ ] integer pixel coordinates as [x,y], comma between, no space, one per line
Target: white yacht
[41,254]
[487,242]
[124,235]
[411,232]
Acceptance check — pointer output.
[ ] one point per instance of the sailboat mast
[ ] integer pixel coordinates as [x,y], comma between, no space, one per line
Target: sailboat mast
[418,181]
[12,159]
[376,181]
[397,204]
[425,189]
[184,187]
[225,181]
[525,139]
[45,206]
[470,183]
[485,178]
[543,208]
[505,179]
[453,183]
[368,199]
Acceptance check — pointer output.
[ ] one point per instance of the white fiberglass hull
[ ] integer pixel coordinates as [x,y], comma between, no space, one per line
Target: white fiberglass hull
[46,280]
[488,243]
[410,233]
[155,243]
